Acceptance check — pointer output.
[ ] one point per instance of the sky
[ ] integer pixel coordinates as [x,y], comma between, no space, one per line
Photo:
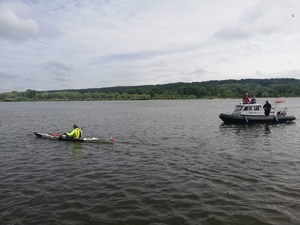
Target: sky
[73,44]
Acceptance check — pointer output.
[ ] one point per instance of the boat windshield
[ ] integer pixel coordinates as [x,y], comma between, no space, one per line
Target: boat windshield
[238,108]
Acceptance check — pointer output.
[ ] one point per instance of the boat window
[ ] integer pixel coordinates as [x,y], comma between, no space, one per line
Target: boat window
[246,108]
[238,108]
[256,107]
[250,108]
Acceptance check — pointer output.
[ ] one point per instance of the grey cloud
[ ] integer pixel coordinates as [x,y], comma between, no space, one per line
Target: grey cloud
[240,33]
[132,56]
[62,79]
[252,21]
[159,64]
[232,33]
[4,75]
[59,70]
[258,73]
[145,55]
[254,14]
[56,67]
[199,71]
[289,73]
[15,28]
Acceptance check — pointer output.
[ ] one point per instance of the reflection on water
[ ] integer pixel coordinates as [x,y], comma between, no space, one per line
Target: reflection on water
[76,150]
[267,129]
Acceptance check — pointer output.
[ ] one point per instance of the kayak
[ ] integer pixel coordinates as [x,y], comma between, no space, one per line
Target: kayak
[65,138]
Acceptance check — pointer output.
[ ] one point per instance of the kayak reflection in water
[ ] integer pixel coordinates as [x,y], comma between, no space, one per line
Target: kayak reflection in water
[76,150]
[75,133]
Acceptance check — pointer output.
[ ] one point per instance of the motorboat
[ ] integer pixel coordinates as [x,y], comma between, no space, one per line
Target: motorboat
[255,113]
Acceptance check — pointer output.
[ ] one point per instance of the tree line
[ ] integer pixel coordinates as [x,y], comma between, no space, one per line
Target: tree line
[281,87]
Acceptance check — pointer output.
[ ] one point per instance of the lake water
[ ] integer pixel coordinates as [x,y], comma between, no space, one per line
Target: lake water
[173,162]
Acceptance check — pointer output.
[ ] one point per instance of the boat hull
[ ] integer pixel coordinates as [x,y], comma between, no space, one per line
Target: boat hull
[62,138]
[232,119]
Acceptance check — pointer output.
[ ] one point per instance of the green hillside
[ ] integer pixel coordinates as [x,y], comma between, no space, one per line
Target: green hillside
[282,87]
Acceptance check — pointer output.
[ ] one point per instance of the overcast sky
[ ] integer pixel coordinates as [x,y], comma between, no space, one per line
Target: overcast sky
[73,44]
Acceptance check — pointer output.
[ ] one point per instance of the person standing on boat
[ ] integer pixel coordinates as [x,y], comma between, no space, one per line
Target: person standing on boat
[75,133]
[246,99]
[253,100]
[267,108]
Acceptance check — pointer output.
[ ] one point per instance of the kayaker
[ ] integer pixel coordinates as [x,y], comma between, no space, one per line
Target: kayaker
[267,108]
[75,133]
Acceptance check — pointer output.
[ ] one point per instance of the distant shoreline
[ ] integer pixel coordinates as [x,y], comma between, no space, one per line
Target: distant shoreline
[227,89]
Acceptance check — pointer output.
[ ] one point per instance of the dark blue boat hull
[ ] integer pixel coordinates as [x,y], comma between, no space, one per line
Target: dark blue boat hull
[231,119]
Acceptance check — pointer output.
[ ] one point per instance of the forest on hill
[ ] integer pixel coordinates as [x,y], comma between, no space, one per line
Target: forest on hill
[279,87]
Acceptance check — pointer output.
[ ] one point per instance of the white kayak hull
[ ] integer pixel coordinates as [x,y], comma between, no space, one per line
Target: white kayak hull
[62,138]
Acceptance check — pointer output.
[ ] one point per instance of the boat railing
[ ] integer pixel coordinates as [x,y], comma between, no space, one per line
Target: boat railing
[281,111]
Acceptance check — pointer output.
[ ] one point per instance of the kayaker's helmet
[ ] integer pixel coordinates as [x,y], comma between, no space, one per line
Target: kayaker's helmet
[75,126]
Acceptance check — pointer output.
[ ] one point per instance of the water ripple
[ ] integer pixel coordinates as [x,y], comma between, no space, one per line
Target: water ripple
[169,166]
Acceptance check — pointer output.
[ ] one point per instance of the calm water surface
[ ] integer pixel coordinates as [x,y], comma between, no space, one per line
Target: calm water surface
[174,162]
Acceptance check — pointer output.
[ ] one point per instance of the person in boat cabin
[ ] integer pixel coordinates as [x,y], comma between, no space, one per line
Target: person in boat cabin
[246,99]
[253,100]
[75,133]
[267,108]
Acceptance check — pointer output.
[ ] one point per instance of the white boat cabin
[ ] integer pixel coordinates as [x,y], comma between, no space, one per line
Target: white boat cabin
[258,110]
[248,110]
